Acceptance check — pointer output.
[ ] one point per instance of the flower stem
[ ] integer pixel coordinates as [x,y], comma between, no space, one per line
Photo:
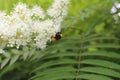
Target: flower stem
[79,63]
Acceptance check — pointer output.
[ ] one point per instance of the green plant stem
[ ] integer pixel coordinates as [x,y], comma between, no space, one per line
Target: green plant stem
[79,65]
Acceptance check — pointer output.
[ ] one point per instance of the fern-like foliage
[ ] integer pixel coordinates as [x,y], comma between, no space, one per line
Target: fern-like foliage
[12,55]
[75,57]
[78,59]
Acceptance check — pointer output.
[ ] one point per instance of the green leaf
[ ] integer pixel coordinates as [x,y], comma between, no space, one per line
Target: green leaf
[56,76]
[4,62]
[103,54]
[100,38]
[6,54]
[25,55]
[70,76]
[102,71]
[104,63]
[93,77]
[62,54]
[56,70]
[102,46]
[14,59]
[56,62]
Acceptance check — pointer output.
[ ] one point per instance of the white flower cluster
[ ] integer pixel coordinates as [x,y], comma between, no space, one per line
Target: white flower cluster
[31,25]
[115,10]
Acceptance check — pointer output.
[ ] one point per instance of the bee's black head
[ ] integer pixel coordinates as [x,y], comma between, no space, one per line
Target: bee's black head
[58,35]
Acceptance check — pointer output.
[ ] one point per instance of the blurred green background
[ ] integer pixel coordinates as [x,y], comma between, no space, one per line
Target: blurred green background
[88,50]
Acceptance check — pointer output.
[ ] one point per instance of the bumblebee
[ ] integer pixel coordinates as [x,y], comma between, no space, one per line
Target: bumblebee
[57,36]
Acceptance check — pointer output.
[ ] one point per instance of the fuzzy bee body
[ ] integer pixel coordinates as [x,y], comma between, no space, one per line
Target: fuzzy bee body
[57,36]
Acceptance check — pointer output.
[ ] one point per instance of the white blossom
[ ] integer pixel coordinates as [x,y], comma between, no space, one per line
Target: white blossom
[59,8]
[57,11]
[115,11]
[38,12]
[1,51]
[30,25]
